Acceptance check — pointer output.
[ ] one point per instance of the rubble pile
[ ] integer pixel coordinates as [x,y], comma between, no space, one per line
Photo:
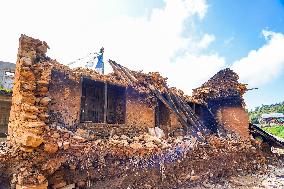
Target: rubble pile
[223,84]
[153,78]
[76,74]
[138,162]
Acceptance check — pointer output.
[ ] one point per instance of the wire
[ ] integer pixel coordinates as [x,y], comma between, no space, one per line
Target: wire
[79,59]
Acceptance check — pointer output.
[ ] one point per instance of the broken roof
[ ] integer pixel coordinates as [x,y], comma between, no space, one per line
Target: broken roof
[272,115]
[222,84]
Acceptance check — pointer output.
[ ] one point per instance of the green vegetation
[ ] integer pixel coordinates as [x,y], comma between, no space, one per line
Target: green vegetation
[276,130]
[254,115]
[4,89]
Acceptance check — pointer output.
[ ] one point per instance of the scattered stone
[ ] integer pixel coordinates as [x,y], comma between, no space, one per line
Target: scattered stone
[136,145]
[50,148]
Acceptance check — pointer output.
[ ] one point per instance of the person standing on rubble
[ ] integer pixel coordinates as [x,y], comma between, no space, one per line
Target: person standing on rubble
[100,64]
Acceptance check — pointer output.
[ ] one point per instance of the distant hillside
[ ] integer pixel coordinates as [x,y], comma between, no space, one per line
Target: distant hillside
[254,115]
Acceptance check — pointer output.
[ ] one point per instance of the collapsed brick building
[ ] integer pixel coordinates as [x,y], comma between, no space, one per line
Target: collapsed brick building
[55,109]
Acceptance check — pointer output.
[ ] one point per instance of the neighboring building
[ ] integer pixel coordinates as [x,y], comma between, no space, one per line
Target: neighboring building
[5,106]
[271,119]
[7,71]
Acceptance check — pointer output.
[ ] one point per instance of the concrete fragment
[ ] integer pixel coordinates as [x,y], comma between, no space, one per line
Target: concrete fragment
[159,132]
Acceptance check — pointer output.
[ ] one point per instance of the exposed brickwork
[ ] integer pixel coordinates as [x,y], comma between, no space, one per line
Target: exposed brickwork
[65,95]
[234,119]
[29,102]
[138,113]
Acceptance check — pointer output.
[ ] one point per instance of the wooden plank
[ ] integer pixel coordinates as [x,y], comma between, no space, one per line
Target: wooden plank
[157,115]
[193,128]
[191,116]
[119,72]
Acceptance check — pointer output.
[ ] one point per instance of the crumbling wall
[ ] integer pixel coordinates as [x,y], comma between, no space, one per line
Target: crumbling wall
[74,159]
[207,118]
[230,113]
[222,94]
[65,95]
[138,112]
[175,128]
[29,102]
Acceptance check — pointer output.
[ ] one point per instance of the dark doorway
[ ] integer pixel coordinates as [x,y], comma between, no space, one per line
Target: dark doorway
[116,104]
[102,102]
[162,115]
[92,102]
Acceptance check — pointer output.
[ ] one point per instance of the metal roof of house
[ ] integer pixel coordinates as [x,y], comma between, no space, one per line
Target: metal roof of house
[272,115]
[7,66]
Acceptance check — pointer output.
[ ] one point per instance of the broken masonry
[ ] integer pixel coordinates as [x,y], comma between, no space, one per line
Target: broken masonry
[78,120]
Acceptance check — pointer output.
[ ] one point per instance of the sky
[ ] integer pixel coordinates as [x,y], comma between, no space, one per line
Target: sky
[187,41]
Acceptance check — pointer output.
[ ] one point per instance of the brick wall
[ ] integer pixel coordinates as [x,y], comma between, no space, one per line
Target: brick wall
[138,112]
[29,102]
[65,95]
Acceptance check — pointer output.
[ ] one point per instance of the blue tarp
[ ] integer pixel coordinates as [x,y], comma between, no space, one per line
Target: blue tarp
[100,63]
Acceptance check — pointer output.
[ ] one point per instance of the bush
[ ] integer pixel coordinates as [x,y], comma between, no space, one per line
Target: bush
[276,130]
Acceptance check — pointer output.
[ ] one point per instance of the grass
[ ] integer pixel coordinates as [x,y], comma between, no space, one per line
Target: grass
[4,89]
[276,130]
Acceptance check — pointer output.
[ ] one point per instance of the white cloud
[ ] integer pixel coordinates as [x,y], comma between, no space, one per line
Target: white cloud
[206,40]
[155,42]
[192,70]
[152,44]
[264,64]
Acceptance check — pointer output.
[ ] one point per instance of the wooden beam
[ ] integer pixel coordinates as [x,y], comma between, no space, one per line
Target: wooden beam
[119,72]
[192,116]
[193,128]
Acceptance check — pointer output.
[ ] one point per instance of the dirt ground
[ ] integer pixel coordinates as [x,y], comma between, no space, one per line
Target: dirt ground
[272,178]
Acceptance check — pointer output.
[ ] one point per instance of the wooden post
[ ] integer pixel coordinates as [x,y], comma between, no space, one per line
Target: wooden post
[157,115]
[105,104]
